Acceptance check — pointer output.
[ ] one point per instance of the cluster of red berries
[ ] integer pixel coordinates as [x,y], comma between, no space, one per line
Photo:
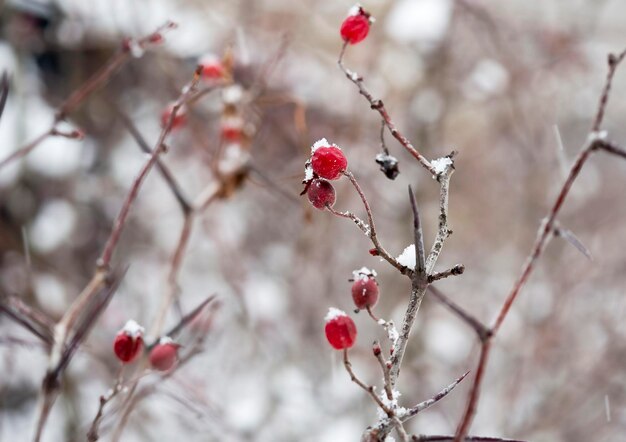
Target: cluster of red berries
[327,162]
[340,328]
[356,26]
[128,344]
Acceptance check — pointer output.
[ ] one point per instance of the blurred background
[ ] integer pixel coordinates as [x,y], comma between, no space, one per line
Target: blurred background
[512,86]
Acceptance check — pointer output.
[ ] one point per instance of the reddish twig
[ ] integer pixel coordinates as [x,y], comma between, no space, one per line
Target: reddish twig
[96,81]
[380,108]
[595,141]
[368,388]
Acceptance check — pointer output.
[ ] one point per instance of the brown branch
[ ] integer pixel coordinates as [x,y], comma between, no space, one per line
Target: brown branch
[418,237]
[368,388]
[109,248]
[613,61]
[372,229]
[418,286]
[466,439]
[481,330]
[95,82]
[184,204]
[384,369]
[612,148]
[413,411]
[458,269]
[380,108]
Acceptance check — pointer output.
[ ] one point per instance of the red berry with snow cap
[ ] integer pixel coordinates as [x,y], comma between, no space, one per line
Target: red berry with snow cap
[364,288]
[180,119]
[128,342]
[328,161]
[340,329]
[356,26]
[321,193]
[164,355]
[212,67]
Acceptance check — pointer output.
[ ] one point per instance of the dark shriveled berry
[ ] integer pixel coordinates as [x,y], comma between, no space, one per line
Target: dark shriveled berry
[321,193]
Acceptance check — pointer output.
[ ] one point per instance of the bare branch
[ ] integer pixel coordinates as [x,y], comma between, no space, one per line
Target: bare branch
[613,61]
[466,439]
[380,107]
[95,82]
[418,236]
[436,398]
[184,204]
[458,269]
[481,330]
[368,388]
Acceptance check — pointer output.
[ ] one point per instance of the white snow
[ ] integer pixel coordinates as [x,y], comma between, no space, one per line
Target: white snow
[383,157]
[166,340]
[308,172]
[441,164]
[323,142]
[334,313]
[363,273]
[133,329]
[354,10]
[419,21]
[407,257]
[232,94]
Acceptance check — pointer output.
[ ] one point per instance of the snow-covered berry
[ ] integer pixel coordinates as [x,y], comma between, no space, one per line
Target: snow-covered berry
[164,355]
[340,329]
[356,26]
[232,128]
[321,193]
[328,161]
[180,119]
[128,342]
[364,288]
[212,67]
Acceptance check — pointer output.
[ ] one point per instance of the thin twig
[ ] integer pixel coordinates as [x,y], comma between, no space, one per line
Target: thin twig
[458,269]
[372,229]
[368,388]
[613,62]
[418,237]
[380,107]
[384,368]
[467,439]
[433,400]
[184,204]
[95,82]
[481,330]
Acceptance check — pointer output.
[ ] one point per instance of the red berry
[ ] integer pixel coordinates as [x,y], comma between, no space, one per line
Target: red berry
[128,342]
[328,161]
[212,67]
[179,119]
[321,193]
[364,289]
[356,26]
[340,329]
[164,355]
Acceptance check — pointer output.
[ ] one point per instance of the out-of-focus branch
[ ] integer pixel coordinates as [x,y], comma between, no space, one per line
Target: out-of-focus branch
[596,140]
[95,82]
[481,330]
[184,204]
[466,439]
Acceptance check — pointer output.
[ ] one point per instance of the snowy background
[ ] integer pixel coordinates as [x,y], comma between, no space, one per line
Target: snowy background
[511,85]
